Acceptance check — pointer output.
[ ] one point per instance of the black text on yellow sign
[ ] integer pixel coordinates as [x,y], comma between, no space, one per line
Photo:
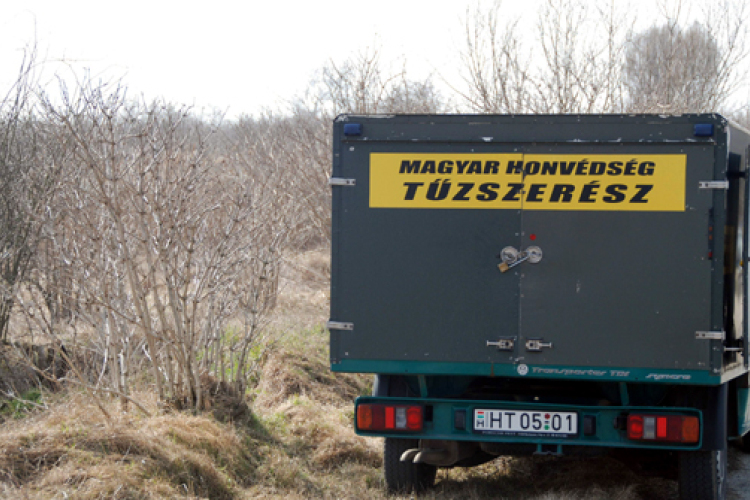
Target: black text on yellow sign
[530,182]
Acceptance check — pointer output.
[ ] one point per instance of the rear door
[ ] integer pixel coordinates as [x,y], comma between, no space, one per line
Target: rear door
[625,277]
[415,257]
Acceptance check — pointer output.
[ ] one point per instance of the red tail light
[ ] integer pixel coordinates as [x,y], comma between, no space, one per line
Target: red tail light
[382,417]
[414,418]
[668,428]
[364,417]
[635,427]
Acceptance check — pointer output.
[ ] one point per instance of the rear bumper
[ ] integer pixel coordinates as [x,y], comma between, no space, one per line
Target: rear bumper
[597,426]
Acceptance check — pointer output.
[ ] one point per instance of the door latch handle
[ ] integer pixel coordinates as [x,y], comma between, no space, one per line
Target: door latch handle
[502,344]
[505,266]
[512,257]
[536,345]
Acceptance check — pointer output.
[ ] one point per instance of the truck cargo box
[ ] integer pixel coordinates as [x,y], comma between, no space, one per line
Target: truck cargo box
[579,247]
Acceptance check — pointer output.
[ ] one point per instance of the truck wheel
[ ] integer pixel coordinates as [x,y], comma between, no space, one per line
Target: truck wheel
[702,474]
[744,443]
[405,477]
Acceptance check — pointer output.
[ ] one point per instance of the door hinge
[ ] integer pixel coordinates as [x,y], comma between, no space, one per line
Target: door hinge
[710,335]
[340,181]
[339,325]
[713,185]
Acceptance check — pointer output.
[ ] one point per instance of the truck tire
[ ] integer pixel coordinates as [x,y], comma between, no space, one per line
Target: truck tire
[702,474]
[744,443]
[405,477]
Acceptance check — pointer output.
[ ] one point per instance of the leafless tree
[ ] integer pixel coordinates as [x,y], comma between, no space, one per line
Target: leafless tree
[669,68]
[415,97]
[582,50]
[361,85]
[497,71]
[570,61]
[584,60]
[742,117]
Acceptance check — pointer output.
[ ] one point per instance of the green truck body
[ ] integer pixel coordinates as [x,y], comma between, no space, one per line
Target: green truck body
[543,284]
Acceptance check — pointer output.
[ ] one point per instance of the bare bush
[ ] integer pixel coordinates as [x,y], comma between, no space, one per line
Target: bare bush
[29,171]
[165,243]
[176,247]
[287,150]
[358,85]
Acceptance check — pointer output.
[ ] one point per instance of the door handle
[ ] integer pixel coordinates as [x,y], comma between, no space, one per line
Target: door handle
[505,266]
[512,257]
[536,345]
[503,344]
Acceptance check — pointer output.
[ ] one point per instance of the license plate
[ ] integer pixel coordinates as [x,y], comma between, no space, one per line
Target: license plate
[526,423]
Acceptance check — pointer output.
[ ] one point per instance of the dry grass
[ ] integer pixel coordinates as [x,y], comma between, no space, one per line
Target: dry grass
[304,292]
[72,450]
[297,442]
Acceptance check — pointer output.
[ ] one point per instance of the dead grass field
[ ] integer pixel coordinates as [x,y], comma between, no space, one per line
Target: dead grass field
[296,442]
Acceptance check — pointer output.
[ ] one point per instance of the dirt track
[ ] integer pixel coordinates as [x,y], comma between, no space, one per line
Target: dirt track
[738,480]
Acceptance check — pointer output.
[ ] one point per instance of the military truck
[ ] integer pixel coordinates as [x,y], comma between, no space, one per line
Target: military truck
[568,284]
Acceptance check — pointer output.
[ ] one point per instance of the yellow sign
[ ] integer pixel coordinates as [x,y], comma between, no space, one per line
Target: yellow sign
[643,182]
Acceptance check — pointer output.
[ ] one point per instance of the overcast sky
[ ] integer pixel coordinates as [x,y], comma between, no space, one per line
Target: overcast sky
[241,55]
[238,56]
